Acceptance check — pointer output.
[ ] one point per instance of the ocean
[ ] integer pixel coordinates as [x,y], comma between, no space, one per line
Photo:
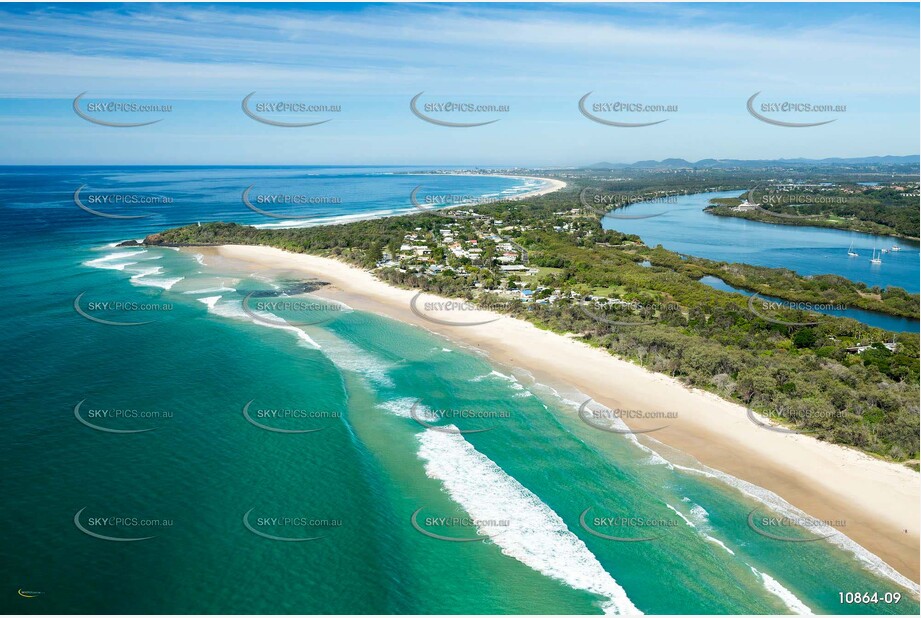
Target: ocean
[206,459]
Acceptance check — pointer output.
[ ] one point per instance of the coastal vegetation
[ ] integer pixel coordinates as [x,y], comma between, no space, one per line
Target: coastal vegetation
[548,260]
[890,209]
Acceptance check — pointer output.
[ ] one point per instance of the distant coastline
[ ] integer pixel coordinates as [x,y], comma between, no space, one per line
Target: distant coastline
[762,215]
[551,185]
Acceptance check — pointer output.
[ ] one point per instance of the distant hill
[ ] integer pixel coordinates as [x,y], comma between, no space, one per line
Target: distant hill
[665,164]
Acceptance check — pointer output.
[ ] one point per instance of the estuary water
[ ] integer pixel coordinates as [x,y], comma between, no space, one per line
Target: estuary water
[683,226]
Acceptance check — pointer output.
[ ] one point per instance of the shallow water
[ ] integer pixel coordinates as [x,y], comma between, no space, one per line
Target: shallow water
[205,472]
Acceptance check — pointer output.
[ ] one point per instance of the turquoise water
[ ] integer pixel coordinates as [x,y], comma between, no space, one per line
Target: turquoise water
[356,482]
[684,227]
[872,318]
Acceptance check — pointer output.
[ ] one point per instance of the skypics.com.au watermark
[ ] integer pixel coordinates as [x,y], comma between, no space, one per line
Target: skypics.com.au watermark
[756,200]
[273,112]
[438,112]
[457,529]
[91,202]
[608,204]
[120,420]
[301,312]
[106,311]
[762,308]
[610,113]
[613,420]
[610,311]
[800,416]
[106,112]
[428,417]
[626,529]
[427,310]
[287,420]
[120,527]
[289,528]
[795,529]
[770,112]
[286,199]
[446,204]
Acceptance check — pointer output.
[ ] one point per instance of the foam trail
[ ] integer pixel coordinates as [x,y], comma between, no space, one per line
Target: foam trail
[720,543]
[615,423]
[681,515]
[114,261]
[144,278]
[350,357]
[211,290]
[334,220]
[402,406]
[511,380]
[233,310]
[211,301]
[868,560]
[774,587]
[536,537]
[108,265]
[304,337]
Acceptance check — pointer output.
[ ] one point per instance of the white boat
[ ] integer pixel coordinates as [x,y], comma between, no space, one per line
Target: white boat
[896,248]
[875,259]
[851,252]
[885,250]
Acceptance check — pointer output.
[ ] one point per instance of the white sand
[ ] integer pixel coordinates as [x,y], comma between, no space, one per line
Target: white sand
[878,500]
[551,186]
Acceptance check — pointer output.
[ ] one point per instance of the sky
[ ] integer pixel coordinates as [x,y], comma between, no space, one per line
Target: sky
[697,65]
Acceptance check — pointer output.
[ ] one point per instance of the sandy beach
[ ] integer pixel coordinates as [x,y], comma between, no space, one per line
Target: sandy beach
[551,186]
[878,500]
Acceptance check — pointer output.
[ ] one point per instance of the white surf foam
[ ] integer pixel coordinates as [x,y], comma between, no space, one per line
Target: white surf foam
[720,543]
[303,336]
[510,379]
[536,536]
[211,290]
[777,589]
[701,516]
[119,255]
[114,261]
[109,265]
[349,357]
[145,277]
[233,309]
[866,558]
[211,301]
[402,406]
[681,515]
[614,422]
[334,220]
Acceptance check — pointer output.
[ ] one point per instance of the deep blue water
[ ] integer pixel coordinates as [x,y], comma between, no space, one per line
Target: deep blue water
[686,228]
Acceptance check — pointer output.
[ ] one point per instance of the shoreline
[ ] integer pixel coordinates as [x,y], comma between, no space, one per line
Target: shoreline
[554,184]
[551,186]
[879,500]
[709,210]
